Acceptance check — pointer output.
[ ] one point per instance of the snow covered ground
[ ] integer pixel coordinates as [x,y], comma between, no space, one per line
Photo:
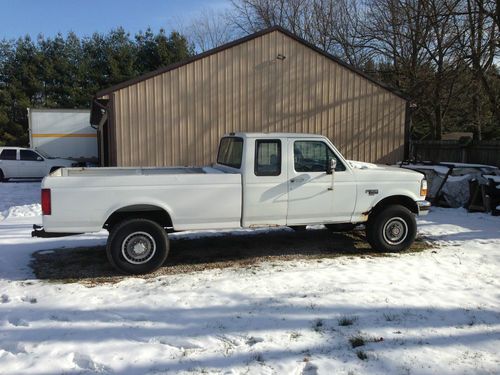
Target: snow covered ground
[431,312]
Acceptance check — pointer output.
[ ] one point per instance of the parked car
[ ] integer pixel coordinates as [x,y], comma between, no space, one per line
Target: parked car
[17,162]
[258,180]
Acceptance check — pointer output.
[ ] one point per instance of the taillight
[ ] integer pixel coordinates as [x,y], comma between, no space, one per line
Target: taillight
[46,204]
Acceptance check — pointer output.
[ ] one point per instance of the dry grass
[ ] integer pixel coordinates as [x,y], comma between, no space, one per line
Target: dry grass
[90,266]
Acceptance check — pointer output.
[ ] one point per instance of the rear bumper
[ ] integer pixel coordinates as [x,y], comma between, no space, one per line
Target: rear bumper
[423,207]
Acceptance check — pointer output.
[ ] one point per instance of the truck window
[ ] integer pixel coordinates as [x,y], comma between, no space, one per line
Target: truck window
[8,155]
[267,157]
[28,155]
[230,152]
[313,156]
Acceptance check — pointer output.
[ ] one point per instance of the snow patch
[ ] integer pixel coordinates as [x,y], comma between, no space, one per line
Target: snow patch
[85,362]
[432,312]
[21,199]
[27,210]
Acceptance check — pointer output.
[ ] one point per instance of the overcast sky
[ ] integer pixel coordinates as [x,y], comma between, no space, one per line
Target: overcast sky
[48,17]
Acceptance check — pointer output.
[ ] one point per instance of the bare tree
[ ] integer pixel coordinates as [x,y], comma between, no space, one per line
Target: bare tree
[254,15]
[337,27]
[421,47]
[397,30]
[480,48]
[442,48]
[210,29]
[491,9]
[334,26]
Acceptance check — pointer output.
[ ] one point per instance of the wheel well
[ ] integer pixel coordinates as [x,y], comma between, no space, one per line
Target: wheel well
[402,200]
[154,213]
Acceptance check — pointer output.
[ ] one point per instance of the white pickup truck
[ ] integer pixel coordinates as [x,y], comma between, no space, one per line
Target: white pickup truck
[259,180]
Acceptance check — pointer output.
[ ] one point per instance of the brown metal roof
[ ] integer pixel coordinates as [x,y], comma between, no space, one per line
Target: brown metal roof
[236,42]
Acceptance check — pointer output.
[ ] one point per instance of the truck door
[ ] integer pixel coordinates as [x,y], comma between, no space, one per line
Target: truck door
[311,196]
[265,192]
[31,164]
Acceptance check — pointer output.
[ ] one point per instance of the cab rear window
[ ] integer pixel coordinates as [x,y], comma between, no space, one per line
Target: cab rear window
[8,155]
[230,152]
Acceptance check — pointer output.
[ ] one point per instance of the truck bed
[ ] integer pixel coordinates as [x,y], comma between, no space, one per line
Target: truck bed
[131,171]
[84,198]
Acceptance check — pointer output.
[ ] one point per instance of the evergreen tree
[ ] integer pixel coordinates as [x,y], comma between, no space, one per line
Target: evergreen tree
[66,72]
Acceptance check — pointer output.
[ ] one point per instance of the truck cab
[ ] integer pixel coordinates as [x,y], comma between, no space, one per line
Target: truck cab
[288,180]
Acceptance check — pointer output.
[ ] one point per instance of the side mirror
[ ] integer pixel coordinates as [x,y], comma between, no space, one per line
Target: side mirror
[332,164]
[39,158]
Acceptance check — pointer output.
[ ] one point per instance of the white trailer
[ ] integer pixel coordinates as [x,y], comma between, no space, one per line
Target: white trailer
[63,133]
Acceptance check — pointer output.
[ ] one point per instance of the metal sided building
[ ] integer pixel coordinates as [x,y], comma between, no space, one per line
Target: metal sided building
[270,81]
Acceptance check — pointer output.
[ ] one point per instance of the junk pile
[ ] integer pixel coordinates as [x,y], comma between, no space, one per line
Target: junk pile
[473,186]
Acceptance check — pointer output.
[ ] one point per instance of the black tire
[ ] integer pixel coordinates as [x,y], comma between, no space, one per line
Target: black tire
[151,238]
[342,227]
[392,229]
[2,178]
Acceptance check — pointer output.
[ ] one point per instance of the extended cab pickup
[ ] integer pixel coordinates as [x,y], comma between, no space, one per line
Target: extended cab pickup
[259,180]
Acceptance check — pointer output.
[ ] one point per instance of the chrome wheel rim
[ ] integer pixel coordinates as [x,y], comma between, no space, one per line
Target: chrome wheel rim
[138,247]
[395,231]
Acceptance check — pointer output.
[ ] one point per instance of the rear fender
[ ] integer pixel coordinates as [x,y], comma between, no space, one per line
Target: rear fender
[135,206]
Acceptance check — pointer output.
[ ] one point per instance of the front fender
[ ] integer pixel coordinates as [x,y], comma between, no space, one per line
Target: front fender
[370,197]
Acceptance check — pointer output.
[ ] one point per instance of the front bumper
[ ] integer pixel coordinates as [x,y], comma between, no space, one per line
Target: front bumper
[423,207]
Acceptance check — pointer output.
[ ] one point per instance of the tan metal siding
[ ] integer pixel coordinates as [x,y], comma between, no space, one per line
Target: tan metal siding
[177,117]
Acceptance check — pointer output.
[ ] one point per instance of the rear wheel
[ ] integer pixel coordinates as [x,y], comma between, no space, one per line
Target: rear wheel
[392,229]
[137,246]
[2,177]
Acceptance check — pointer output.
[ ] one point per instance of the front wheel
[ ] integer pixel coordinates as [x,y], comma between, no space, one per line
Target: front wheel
[393,229]
[137,246]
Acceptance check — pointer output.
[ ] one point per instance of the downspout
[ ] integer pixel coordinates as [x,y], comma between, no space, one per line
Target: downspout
[408,125]
[99,127]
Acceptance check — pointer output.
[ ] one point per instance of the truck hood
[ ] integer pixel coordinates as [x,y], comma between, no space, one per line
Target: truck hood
[380,171]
